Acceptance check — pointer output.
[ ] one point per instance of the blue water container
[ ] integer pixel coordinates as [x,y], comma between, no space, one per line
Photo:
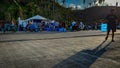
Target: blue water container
[103,27]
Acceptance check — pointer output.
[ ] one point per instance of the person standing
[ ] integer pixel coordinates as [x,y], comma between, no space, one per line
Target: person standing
[12,26]
[73,24]
[96,26]
[81,26]
[111,23]
[2,27]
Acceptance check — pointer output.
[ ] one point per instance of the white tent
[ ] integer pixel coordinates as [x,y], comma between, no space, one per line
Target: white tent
[37,17]
[33,19]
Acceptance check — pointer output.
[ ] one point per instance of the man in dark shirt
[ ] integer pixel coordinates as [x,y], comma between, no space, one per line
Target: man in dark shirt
[111,23]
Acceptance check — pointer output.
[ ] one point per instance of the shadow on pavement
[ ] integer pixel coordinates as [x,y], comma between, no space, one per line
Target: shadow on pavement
[28,39]
[19,33]
[84,58]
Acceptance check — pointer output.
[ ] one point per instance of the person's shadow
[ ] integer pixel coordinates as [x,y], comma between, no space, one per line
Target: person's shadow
[84,58]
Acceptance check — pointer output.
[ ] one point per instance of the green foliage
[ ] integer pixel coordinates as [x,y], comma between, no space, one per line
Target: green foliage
[12,9]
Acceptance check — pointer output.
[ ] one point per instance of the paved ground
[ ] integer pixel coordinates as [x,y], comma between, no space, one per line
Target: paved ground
[25,36]
[59,50]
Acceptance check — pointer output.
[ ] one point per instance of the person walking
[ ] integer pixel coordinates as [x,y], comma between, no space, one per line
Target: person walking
[111,23]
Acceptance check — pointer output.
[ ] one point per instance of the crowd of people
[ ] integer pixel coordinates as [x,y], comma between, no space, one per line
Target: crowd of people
[47,26]
[82,26]
[8,26]
[42,26]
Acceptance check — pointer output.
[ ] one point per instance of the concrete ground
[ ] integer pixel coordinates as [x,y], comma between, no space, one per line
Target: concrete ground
[84,49]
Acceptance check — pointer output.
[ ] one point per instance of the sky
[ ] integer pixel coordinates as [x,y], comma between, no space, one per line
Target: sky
[75,2]
[113,2]
[80,2]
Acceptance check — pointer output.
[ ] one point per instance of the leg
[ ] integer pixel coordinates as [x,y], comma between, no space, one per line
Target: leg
[73,28]
[107,35]
[113,30]
[112,36]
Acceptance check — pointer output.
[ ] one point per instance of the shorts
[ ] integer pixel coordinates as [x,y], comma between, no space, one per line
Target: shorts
[113,28]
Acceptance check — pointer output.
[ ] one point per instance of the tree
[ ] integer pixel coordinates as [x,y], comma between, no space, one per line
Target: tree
[64,2]
[101,1]
[94,1]
[20,10]
[27,8]
[10,13]
[84,1]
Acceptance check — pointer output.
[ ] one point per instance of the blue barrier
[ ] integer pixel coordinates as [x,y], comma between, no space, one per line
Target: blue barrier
[62,29]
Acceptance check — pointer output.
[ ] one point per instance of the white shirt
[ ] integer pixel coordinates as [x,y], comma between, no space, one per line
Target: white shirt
[73,23]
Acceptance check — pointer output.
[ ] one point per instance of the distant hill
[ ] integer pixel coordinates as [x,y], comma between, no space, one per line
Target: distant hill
[100,12]
[95,13]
